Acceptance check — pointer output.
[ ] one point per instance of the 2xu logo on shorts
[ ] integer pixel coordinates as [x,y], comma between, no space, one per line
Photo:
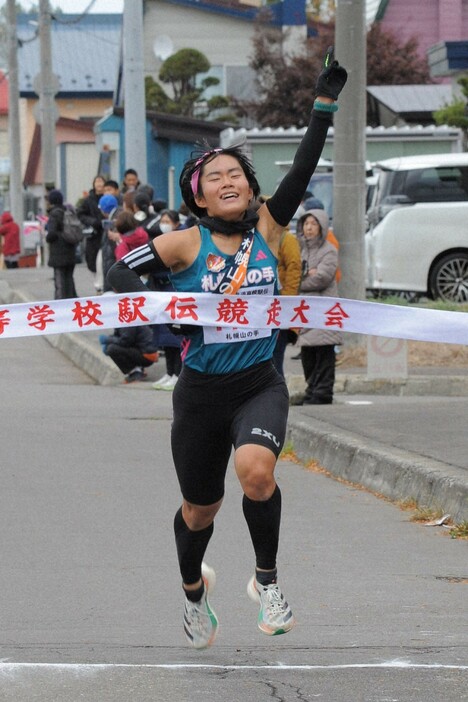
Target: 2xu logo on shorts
[267,434]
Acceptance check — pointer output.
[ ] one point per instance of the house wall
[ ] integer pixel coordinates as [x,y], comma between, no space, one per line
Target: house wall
[266,150]
[431,22]
[78,164]
[72,108]
[225,41]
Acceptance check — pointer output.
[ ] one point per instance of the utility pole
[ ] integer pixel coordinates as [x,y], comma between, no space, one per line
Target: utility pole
[47,88]
[134,89]
[349,153]
[16,191]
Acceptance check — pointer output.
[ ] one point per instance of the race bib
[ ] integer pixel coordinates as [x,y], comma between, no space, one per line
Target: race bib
[232,335]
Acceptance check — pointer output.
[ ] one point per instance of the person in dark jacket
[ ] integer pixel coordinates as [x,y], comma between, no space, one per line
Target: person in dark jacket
[131,349]
[61,253]
[145,215]
[89,214]
[9,230]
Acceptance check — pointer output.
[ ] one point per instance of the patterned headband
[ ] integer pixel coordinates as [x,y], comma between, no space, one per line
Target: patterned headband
[198,164]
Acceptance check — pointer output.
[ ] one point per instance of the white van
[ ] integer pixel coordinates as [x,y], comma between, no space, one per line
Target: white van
[418,227]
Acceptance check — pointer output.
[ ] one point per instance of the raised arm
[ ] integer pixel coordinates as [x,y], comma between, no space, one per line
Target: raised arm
[287,198]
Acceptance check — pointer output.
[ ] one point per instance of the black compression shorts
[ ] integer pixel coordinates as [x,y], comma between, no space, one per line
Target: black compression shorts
[213,413]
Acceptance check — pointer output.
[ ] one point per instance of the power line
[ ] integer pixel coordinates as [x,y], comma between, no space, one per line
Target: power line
[77,19]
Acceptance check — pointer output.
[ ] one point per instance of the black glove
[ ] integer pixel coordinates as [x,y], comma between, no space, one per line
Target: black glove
[332,79]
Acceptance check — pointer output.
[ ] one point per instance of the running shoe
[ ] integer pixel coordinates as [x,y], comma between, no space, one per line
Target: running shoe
[158,385]
[170,384]
[200,620]
[275,615]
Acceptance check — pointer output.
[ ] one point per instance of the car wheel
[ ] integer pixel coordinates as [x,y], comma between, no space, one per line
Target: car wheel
[448,279]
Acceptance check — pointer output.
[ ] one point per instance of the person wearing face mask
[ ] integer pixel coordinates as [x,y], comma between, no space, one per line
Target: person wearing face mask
[170,221]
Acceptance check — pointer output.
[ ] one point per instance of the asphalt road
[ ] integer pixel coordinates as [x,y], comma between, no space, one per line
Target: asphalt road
[91,604]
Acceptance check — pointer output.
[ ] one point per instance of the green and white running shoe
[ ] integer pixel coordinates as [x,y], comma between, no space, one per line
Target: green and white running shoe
[275,615]
[200,620]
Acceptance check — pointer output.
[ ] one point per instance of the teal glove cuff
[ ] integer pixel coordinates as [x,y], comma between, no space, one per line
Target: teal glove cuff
[325,106]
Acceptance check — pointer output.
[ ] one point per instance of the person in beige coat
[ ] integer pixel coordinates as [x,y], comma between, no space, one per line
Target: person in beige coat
[319,267]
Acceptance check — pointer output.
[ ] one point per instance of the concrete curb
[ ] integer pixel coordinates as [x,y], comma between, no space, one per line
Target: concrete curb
[90,359]
[394,473]
[413,385]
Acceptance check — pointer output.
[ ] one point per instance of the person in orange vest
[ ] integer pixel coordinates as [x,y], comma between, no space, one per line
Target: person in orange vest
[289,274]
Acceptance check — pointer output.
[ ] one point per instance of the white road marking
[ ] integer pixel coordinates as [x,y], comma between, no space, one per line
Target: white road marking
[358,402]
[10,667]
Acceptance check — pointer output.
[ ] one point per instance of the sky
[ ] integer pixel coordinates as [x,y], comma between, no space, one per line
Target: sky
[77,6]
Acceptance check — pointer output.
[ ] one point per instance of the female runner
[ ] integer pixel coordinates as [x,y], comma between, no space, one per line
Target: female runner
[229,393]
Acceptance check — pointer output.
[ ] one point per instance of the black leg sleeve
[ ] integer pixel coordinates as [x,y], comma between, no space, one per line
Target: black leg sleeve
[191,547]
[263,520]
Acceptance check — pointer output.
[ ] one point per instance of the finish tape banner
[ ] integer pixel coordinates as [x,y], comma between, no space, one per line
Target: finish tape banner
[232,318]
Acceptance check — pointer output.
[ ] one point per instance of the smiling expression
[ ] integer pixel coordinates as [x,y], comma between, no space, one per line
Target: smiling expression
[225,189]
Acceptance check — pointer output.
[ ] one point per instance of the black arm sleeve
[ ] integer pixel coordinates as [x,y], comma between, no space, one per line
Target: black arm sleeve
[124,276]
[287,198]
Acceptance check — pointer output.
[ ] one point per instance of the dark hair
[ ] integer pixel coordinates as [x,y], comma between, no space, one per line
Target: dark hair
[125,222]
[55,197]
[147,189]
[142,200]
[130,171]
[112,184]
[159,205]
[198,161]
[172,214]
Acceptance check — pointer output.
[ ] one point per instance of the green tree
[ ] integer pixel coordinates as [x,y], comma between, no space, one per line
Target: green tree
[455,114]
[286,85]
[181,72]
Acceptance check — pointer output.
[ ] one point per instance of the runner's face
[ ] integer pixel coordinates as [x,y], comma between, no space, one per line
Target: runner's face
[226,190]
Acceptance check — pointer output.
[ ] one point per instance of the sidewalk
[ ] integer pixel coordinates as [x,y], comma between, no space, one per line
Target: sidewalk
[402,439]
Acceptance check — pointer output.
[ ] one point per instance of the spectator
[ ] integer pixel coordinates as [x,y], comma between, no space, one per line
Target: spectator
[10,232]
[127,235]
[109,208]
[289,274]
[111,187]
[187,218]
[162,334]
[308,197]
[88,213]
[145,214]
[61,253]
[130,181]
[132,350]
[313,203]
[320,263]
